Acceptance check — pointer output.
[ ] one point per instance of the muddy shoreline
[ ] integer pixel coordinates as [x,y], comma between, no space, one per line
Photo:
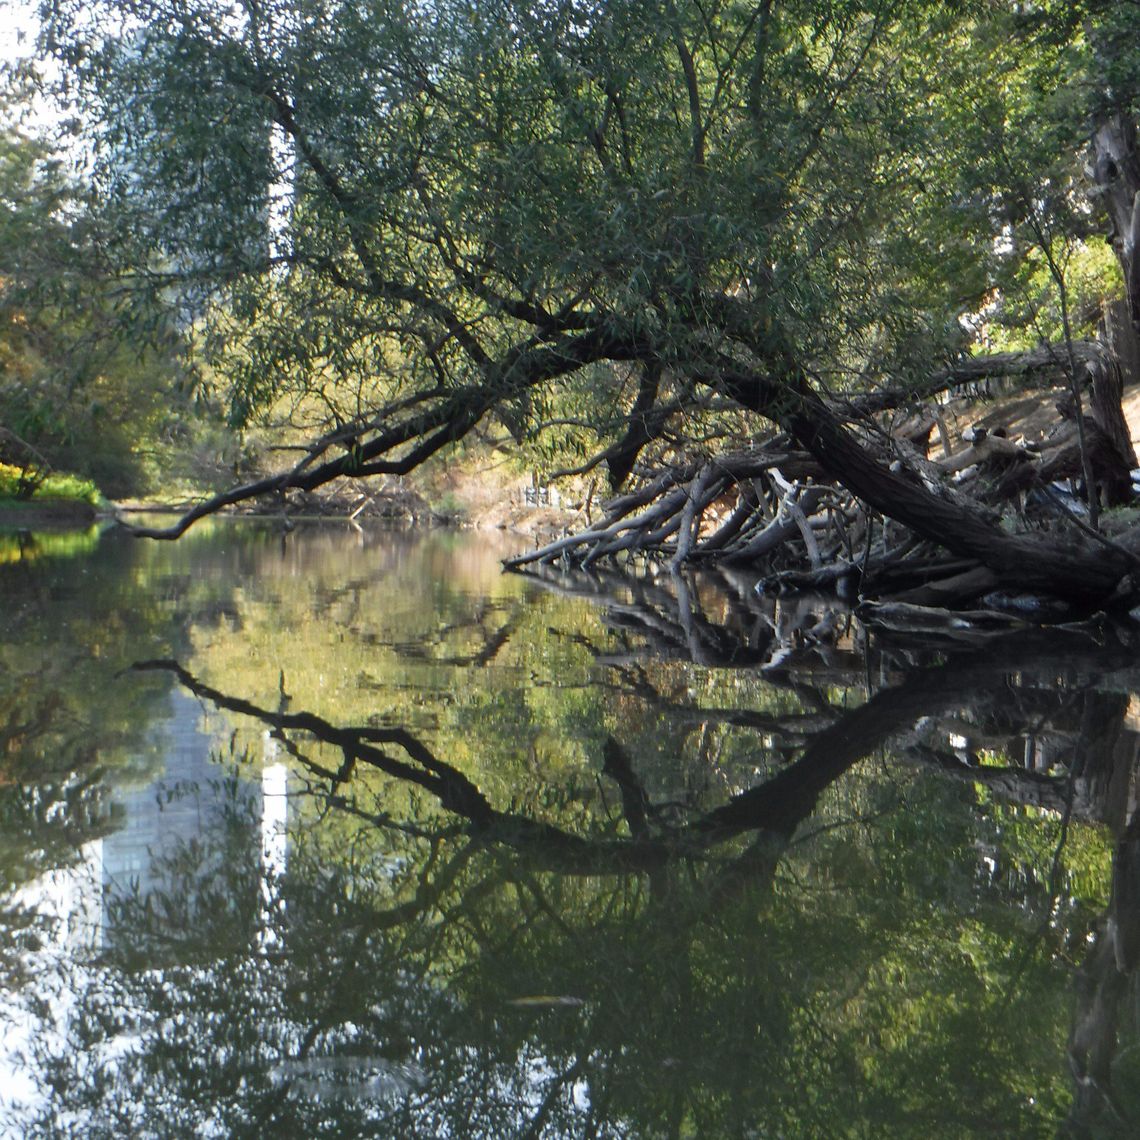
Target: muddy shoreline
[48,514]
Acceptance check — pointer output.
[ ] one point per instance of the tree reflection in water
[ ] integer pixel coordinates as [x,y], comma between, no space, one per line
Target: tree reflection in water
[773,959]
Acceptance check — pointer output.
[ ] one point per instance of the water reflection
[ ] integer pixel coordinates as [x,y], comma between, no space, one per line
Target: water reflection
[586,855]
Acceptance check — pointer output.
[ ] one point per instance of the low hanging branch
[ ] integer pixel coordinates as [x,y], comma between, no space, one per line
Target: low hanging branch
[811,531]
[668,516]
[674,501]
[1044,367]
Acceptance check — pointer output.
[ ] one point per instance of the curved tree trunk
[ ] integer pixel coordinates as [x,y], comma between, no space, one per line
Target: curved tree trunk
[1081,572]
[1112,376]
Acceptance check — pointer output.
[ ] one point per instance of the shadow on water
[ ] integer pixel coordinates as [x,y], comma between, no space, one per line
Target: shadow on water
[895,895]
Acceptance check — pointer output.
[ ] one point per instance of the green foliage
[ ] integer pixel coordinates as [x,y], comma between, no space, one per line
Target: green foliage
[1031,314]
[19,546]
[514,212]
[76,385]
[56,486]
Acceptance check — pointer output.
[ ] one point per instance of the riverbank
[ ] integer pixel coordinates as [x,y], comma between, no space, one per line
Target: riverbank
[537,523]
[486,498]
[459,498]
[48,514]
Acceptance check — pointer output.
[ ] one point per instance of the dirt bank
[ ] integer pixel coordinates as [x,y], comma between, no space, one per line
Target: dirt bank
[46,514]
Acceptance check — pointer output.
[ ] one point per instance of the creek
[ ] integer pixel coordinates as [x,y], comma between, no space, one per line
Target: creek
[349,833]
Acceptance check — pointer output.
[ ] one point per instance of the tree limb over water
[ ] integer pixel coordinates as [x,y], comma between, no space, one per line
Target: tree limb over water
[492,221]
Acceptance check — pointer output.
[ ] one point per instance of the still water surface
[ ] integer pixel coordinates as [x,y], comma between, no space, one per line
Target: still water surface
[348,834]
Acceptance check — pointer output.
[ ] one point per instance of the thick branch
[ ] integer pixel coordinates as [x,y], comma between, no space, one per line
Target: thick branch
[1043,367]
[1076,572]
[450,420]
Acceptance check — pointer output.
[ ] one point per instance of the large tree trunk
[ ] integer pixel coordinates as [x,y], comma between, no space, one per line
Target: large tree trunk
[1078,571]
[1084,569]
[1123,342]
[1116,169]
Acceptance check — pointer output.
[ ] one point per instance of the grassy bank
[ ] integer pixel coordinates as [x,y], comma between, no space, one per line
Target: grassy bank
[59,500]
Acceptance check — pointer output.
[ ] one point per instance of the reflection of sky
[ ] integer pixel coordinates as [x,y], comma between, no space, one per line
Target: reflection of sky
[18,25]
[69,902]
[176,808]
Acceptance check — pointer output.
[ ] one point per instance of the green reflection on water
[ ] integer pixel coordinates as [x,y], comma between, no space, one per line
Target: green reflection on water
[25,546]
[616,893]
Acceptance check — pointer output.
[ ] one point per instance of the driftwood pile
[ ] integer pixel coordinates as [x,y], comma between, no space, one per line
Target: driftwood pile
[771,508]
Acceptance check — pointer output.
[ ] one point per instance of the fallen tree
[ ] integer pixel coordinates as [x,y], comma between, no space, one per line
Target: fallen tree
[829,521]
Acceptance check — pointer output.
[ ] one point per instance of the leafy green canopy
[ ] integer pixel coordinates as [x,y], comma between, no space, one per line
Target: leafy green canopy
[418,217]
[74,394]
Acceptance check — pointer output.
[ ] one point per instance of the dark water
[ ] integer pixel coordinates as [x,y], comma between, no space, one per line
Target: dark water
[351,835]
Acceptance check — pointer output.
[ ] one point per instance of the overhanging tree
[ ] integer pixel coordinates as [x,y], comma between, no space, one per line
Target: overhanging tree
[74,394]
[425,218]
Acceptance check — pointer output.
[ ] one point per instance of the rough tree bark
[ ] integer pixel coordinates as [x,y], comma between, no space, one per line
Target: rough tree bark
[1116,170]
[1082,572]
